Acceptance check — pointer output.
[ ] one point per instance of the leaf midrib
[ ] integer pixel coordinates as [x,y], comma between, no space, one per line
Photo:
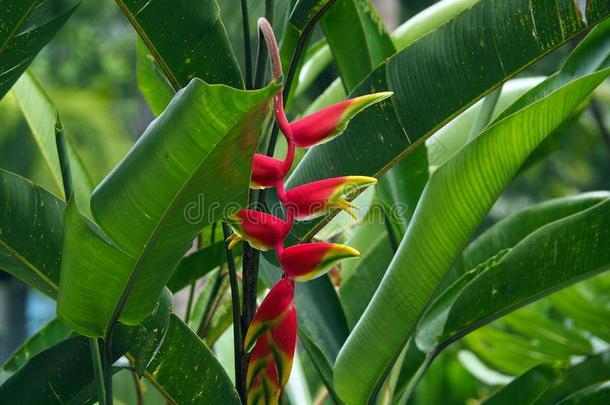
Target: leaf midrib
[17,255]
[154,233]
[12,35]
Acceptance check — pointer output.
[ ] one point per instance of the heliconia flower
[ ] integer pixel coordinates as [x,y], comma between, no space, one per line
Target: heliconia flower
[310,260]
[317,198]
[262,381]
[263,231]
[275,307]
[273,334]
[326,124]
[266,171]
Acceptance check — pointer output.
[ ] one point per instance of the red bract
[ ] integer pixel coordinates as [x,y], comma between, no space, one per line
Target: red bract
[261,230]
[273,334]
[317,198]
[274,308]
[266,172]
[310,260]
[326,124]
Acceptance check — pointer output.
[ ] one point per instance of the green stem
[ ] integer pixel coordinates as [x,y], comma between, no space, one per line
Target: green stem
[247,47]
[240,382]
[484,115]
[98,370]
[208,306]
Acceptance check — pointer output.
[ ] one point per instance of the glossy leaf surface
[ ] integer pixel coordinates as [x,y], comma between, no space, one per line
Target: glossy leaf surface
[206,136]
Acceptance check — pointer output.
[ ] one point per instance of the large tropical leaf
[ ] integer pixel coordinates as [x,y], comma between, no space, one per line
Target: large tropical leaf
[316,60]
[358,39]
[162,347]
[150,208]
[43,119]
[186,371]
[197,265]
[187,40]
[49,335]
[25,28]
[455,200]
[30,249]
[550,384]
[439,76]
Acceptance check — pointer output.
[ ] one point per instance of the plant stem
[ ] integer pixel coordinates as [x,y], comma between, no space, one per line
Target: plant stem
[247,47]
[98,370]
[208,306]
[138,386]
[252,256]
[189,304]
[240,383]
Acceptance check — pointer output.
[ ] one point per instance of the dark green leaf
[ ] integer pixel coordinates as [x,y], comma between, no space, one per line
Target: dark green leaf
[30,249]
[50,334]
[187,372]
[187,40]
[153,204]
[304,11]
[23,33]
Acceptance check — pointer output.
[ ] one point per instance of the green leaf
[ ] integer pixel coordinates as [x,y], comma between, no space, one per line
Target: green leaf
[429,92]
[187,40]
[186,371]
[23,33]
[304,11]
[548,384]
[410,31]
[51,334]
[543,261]
[43,119]
[153,204]
[152,82]
[455,200]
[357,38]
[30,250]
[197,265]
[64,373]
[360,278]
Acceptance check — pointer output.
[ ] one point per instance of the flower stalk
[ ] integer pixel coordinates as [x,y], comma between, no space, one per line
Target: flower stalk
[270,337]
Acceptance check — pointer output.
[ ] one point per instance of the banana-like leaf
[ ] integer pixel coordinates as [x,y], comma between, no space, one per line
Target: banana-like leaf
[187,40]
[357,38]
[202,377]
[153,204]
[161,346]
[43,119]
[456,199]
[360,278]
[23,33]
[30,250]
[410,31]
[51,334]
[152,82]
[439,76]
[548,384]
